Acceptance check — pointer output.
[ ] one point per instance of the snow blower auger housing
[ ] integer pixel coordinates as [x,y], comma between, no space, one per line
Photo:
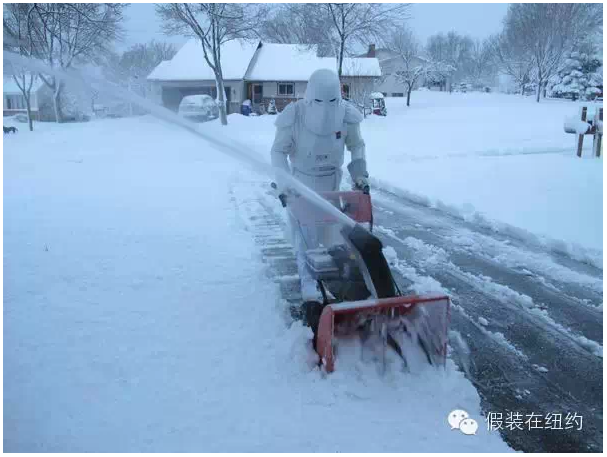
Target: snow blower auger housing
[360,294]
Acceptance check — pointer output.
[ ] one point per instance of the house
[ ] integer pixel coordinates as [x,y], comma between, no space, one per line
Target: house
[14,101]
[259,72]
[390,63]
[281,72]
[187,73]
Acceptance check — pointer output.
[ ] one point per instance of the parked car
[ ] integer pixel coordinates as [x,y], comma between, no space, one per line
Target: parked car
[198,108]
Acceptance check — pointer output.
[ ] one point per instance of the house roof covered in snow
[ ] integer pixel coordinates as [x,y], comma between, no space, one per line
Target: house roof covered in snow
[358,66]
[283,62]
[293,62]
[160,70]
[10,87]
[263,62]
[189,63]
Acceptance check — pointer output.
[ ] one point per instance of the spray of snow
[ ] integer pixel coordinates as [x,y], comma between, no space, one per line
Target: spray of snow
[230,147]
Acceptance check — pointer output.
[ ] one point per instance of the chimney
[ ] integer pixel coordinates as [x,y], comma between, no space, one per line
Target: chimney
[371,51]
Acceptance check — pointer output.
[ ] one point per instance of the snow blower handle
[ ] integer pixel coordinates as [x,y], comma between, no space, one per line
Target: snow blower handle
[282,196]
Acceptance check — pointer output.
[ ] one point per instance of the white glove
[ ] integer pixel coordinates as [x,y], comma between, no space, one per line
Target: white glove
[359,175]
[280,193]
[361,183]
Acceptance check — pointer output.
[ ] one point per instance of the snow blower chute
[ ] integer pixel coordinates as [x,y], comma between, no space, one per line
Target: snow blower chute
[361,297]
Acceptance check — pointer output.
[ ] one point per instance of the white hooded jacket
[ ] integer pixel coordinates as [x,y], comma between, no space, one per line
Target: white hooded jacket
[312,133]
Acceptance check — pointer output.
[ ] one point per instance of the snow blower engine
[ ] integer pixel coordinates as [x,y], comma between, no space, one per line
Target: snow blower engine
[361,297]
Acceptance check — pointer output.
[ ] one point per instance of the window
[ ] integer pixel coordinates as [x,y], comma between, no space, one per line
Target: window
[345,91]
[397,94]
[15,102]
[286,89]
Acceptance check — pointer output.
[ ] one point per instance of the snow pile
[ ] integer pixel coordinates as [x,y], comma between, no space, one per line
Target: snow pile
[577,125]
[138,315]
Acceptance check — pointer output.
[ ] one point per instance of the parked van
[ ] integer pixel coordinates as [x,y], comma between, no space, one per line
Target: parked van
[198,108]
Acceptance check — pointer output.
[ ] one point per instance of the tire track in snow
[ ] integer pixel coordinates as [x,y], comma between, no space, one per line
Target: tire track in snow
[487,284]
[579,309]
[573,373]
[449,221]
[502,374]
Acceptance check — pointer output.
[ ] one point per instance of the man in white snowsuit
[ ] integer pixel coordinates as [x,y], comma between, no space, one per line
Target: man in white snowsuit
[311,135]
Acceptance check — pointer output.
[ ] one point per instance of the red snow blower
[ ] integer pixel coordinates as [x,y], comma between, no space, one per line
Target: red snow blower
[360,297]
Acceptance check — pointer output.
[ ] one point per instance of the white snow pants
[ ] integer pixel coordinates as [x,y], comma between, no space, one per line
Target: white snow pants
[308,235]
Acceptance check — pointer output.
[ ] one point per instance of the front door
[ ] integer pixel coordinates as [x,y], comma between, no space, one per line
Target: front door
[257,93]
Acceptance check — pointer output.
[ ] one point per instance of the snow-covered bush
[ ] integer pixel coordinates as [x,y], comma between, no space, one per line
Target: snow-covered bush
[580,77]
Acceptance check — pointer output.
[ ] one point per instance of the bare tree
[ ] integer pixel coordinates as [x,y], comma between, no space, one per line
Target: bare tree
[69,33]
[548,30]
[412,67]
[214,24]
[482,62]
[437,48]
[17,26]
[512,57]
[139,60]
[452,51]
[360,22]
[335,28]
[299,23]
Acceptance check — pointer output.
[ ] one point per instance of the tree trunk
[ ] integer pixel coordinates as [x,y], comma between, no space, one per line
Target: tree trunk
[57,103]
[409,96]
[522,89]
[56,109]
[28,106]
[221,97]
[539,91]
[341,57]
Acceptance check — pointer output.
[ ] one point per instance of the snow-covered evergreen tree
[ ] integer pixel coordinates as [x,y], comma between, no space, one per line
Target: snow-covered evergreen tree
[580,77]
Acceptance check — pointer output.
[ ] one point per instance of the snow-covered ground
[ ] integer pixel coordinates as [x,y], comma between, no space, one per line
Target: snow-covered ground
[137,314]
[138,317]
[500,158]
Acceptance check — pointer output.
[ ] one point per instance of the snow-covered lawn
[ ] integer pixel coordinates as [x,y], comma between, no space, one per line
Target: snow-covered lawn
[501,157]
[138,315]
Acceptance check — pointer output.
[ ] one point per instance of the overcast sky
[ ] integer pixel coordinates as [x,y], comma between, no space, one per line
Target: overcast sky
[476,19]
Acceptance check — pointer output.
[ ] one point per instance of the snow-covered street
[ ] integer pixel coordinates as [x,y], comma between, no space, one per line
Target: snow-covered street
[141,311]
